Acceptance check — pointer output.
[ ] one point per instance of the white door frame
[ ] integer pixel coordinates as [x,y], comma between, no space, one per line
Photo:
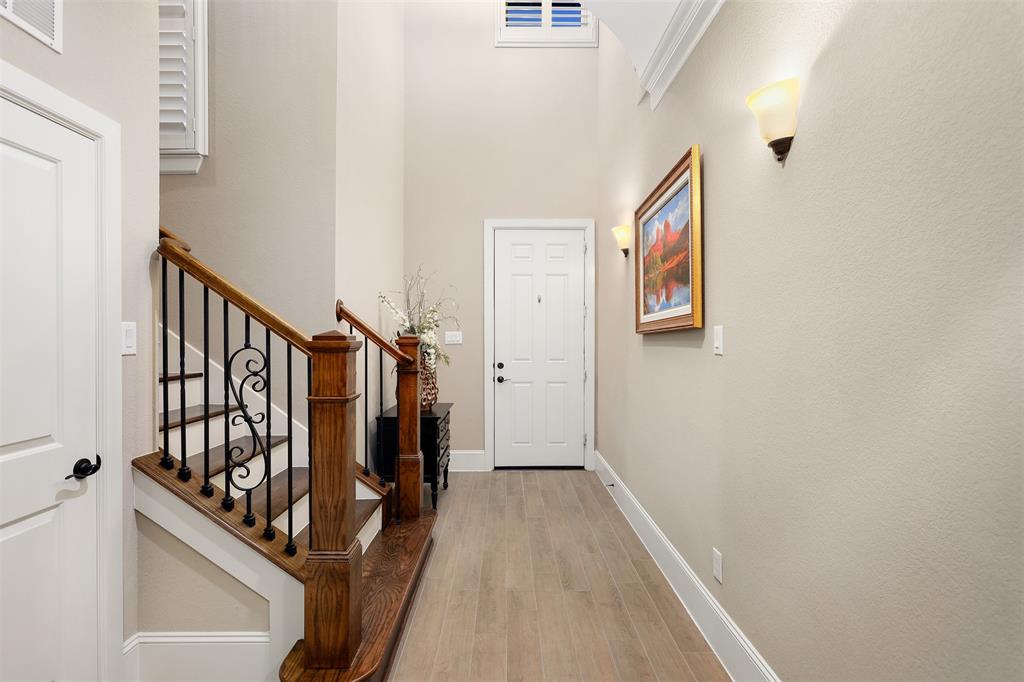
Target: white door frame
[589,300]
[35,95]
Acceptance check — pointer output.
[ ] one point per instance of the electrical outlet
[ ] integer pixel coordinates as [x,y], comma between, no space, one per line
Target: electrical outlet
[129,344]
[716,564]
[453,338]
[719,333]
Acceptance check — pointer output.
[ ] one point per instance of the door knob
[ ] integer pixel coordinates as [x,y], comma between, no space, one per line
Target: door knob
[84,468]
[501,365]
[501,380]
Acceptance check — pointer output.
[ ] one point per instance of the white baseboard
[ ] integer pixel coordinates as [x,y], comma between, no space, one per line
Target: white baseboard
[201,656]
[738,655]
[469,460]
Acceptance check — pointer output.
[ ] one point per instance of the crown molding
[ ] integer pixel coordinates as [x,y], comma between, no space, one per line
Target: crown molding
[684,31]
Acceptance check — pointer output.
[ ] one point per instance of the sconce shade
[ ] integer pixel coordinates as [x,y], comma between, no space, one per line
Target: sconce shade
[774,107]
[622,237]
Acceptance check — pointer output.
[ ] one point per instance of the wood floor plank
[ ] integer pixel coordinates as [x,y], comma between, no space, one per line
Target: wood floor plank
[706,667]
[556,651]
[665,657]
[420,646]
[523,661]
[686,635]
[589,644]
[452,664]
[533,502]
[542,556]
[567,553]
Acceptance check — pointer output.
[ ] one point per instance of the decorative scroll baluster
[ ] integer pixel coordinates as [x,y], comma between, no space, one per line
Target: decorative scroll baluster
[207,489]
[269,532]
[249,518]
[165,459]
[228,502]
[290,548]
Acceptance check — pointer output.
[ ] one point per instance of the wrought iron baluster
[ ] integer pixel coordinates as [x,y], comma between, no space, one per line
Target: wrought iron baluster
[249,518]
[268,532]
[380,409]
[290,548]
[207,488]
[366,406]
[165,459]
[228,502]
[309,444]
[184,473]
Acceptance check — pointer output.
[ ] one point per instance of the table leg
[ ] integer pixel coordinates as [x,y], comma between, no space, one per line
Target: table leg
[446,477]
[433,494]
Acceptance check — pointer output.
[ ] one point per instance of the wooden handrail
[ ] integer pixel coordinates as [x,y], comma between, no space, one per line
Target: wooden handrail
[343,314]
[167,234]
[177,251]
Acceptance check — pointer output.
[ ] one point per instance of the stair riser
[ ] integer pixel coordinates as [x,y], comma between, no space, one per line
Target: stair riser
[193,393]
[300,519]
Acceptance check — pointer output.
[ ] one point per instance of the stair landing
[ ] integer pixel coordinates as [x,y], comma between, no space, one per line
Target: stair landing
[391,570]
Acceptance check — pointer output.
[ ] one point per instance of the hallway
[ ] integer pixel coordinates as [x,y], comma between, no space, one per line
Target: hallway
[537,575]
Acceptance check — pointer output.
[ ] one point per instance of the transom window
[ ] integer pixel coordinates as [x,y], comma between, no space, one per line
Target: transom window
[544,23]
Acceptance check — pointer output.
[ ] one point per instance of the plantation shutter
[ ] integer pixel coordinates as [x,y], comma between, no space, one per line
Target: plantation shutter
[544,23]
[182,85]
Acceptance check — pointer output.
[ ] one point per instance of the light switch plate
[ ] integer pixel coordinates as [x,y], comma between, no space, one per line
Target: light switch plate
[716,564]
[129,344]
[719,333]
[453,338]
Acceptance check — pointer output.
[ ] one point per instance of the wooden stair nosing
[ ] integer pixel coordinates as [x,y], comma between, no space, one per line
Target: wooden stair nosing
[231,521]
[391,572]
[176,376]
[279,492]
[195,462]
[364,510]
[194,413]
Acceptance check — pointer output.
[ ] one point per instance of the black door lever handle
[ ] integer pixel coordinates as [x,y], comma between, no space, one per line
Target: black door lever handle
[84,468]
[501,380]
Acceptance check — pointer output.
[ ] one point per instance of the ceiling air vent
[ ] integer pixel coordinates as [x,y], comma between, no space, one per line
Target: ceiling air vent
[42,19]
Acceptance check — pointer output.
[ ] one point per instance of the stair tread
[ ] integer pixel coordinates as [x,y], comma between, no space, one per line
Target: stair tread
[391,571]
[193,413]
[195,462]
[279,492]
[364,510]
[176,376]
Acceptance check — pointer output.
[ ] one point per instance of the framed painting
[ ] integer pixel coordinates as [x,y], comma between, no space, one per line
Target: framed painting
[669,267]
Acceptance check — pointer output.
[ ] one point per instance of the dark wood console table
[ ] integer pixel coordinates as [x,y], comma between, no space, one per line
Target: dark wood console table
[434,443]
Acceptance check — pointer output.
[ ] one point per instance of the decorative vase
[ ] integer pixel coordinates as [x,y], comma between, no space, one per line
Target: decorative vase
[428,389]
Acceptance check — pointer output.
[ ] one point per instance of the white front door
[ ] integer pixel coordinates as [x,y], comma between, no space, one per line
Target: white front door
[538,347]
[48,419]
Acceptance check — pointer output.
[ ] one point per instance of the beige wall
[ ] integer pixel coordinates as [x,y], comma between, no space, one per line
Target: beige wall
[194,585]
[110,63]
[262,204]
[856,453]
[371,172]
[490,133]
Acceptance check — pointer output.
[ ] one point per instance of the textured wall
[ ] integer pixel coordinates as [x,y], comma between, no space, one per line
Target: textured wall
[856,453]
[490,133]
[110,63]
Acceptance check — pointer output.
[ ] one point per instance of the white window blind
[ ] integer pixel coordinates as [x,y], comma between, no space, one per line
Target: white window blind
[43,19]
[544,23]
[183,115]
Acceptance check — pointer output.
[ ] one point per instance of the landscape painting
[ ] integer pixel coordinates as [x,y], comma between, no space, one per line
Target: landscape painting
[667,229]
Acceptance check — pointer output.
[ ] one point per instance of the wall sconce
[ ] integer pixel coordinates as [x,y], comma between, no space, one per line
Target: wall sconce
[774,107]
[622,238]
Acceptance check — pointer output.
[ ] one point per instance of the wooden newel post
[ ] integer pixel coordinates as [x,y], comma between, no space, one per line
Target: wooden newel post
[333,608]
[410,459]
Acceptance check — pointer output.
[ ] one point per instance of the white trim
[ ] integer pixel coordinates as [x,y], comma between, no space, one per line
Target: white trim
[684,31]
[589,337]
[32,93]
[180,163]
[469,460]
[199,656]
[737,653]
[57,42]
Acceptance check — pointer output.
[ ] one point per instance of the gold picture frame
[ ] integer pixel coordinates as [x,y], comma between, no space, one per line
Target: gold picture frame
[669,264]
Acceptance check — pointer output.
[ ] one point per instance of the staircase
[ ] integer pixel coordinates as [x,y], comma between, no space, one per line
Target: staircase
[265,449]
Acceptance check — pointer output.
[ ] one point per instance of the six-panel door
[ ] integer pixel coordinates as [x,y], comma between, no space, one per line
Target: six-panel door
[538,347]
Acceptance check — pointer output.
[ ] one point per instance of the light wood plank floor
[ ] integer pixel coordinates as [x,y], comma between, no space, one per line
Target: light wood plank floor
[537,575]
